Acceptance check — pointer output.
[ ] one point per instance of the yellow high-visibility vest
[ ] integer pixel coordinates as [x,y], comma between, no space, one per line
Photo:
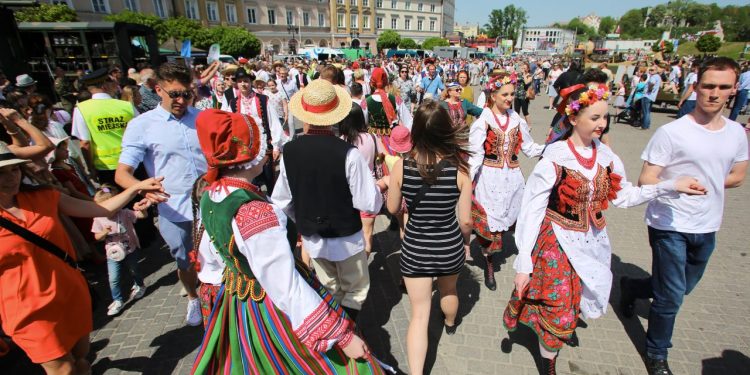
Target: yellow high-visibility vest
[106,120]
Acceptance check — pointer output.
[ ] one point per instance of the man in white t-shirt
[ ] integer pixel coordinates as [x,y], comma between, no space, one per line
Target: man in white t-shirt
[682,229]
[652,91]
[687,102]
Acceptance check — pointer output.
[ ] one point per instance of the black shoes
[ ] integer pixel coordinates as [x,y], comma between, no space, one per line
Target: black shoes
[489,274]
[450,330]
[549,366]
[627,299]
[658,367]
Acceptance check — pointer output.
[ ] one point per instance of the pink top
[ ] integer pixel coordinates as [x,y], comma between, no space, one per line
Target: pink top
[367,147]
[121,228]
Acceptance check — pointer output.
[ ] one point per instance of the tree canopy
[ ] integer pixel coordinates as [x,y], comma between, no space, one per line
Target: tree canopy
[708,43]
[433,42]
[46,13]
[506,22]
[388,39]
[407,43]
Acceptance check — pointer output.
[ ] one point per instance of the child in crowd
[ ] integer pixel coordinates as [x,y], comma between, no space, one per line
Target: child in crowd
[120,244]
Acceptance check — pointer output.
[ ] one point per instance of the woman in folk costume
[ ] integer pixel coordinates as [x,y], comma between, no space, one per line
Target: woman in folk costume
[383,110]
[495,140]
[270,316]
[458,107]
[563,262]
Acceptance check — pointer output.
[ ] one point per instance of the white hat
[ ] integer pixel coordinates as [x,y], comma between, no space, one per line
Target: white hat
[8,158]
[24,80]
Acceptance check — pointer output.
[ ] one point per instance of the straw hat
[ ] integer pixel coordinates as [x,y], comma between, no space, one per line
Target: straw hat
[321,103]
[8,158]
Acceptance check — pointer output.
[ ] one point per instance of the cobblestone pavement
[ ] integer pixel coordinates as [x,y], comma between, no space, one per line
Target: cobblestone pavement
[712,335]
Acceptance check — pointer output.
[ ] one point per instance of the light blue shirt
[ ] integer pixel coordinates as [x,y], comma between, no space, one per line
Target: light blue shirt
[744,81]
[431,87]
[167,146]
[656,80]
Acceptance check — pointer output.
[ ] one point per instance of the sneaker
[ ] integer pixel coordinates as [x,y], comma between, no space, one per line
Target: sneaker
[658,367]
[114,308]
[137,292]
[183,292]
[194,317]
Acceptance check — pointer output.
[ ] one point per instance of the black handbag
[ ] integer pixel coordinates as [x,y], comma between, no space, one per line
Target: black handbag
[51,248]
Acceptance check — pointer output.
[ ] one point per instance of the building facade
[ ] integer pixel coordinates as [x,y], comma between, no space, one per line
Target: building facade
[545,38]
[468,31]
[95,10]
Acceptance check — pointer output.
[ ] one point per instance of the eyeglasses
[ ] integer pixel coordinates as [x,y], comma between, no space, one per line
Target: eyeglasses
[187,94]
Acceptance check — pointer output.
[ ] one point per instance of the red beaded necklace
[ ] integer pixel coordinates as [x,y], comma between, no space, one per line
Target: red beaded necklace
[240,184]
[587,163]
[497,121]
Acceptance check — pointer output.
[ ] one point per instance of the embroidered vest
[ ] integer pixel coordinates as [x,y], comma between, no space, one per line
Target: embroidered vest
[376,115]
[572,205]
[495,154]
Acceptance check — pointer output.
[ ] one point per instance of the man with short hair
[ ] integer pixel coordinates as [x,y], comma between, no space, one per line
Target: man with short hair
[166,142]
[682,229]
[432,84]
[653,84]
[743,91]
[149,98]
[687,102]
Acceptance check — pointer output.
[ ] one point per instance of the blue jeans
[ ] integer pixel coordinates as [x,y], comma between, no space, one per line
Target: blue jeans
[646,112]
[113,268]
[739,102]
[679,260]
[687,107]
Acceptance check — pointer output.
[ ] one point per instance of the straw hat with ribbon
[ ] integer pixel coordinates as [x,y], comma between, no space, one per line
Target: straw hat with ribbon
[8,158]
[321,103]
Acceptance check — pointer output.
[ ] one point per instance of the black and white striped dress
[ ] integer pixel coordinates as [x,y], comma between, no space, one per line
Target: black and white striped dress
[432,245]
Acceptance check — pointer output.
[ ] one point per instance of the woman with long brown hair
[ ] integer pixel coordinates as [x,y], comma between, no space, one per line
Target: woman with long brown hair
[434,179]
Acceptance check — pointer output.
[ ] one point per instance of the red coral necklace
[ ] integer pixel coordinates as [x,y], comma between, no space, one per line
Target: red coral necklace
[240,184]
[497,121]
[587,163]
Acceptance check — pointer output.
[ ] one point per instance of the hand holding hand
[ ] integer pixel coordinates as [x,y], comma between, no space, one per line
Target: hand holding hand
[276,155]
[142,205]
[689,185]
[356,349]
[521,281]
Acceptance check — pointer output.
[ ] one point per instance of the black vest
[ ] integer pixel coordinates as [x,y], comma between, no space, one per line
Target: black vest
[263,114]
[316,170]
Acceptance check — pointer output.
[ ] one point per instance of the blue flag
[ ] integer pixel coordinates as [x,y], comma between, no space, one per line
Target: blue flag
[185,52]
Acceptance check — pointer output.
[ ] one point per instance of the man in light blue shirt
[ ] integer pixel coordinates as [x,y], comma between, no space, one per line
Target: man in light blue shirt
[652,90]
[432,83]
[165,141]
[743,88]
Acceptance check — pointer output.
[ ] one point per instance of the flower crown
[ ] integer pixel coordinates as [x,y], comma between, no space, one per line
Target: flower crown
[497,83]
[594,94]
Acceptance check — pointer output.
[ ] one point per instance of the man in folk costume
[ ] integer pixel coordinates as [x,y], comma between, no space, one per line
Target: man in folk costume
[255,105]
[270,315]
[327,214]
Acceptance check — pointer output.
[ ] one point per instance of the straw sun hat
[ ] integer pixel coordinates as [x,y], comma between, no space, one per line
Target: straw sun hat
[321,103]
[8,158]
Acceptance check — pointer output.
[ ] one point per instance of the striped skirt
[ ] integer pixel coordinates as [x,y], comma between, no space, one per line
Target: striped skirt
[489,240]
[248,337]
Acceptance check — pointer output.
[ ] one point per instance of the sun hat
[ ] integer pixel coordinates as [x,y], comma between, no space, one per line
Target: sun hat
[400,139]
[9,158]
[321,103]
[24,80]
[242,73]
[452,85]
[229,140]
[242,60]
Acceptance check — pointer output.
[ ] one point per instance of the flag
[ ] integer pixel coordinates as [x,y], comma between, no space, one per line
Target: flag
[617,30]
[185,52]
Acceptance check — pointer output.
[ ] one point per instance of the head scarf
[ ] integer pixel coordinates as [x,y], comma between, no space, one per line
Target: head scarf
[379,79]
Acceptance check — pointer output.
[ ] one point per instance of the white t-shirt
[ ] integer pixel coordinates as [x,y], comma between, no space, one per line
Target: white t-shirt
[689,80]
[685,148]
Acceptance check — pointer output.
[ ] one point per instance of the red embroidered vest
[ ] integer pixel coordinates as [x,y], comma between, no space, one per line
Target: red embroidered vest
[572,205]
[494,152]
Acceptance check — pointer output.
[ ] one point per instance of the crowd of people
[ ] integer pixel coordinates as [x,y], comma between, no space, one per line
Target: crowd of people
[264,180]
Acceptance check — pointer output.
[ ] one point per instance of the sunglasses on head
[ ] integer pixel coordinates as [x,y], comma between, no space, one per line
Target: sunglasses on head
[187,94]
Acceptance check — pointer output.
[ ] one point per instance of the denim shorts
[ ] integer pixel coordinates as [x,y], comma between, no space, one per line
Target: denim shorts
[179,238]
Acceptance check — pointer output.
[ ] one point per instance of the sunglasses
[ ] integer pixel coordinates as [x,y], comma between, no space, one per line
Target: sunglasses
[187,94]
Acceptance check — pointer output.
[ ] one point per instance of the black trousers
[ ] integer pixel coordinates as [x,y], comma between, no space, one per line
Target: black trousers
[267,177]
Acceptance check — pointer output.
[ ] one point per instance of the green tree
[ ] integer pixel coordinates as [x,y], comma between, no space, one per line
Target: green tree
[708,43]
[388,39]
[607,25]
[631,23]
[668,47]
[696,14]
[235,41]
[434,41]
[657,15]
[181,28]
[506,22]
[408,43]
[46,13]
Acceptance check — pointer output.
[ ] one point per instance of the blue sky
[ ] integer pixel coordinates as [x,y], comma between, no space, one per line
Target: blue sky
[546,12]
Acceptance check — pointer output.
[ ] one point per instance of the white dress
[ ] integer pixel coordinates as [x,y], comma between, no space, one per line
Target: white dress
[499,190]
[589,252]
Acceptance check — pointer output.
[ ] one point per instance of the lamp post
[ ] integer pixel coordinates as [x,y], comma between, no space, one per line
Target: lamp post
[292,31]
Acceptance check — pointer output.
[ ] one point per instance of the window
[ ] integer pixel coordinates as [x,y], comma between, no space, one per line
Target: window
[432,25]
[100,6]
[271,17]
[191,9]
[379,23]
[407,5]
[340,2]
[212,11]
[432,8]
[419,25]
[340,21]
[289,17]
[353,3]
[321,19]
[394,23]
[407,24]
[160,9]
[353,23]
[379,4]
[131,5]
[420,7]
[68,3]
[365,22]
[306,18]
[394,4]
[231,10]
[251,17]
[365,3]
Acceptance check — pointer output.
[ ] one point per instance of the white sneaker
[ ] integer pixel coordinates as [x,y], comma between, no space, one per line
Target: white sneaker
[183,292]
[114,308]
[137,292]
[194,316]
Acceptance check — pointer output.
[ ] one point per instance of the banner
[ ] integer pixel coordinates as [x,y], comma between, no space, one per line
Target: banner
[186,48]
[213,53]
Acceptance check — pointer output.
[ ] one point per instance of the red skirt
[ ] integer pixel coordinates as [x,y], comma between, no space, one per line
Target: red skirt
[551,303]
[492,241]
[207,295]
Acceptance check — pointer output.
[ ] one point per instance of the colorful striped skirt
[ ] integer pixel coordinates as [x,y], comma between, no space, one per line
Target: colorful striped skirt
[489,240]
[551,303]
[248,337]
